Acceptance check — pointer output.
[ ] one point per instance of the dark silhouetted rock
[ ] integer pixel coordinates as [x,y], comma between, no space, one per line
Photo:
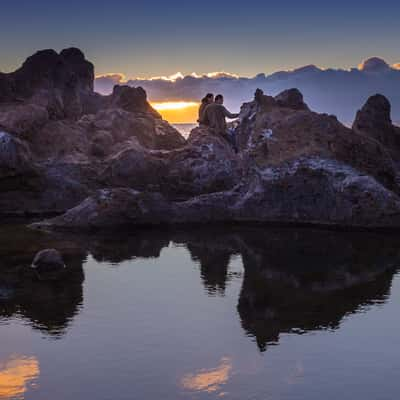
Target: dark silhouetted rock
[131,99]
[58,82]
[374,121]
[58,136]
[111,161]
[295,166]
[48,261]
[291,98]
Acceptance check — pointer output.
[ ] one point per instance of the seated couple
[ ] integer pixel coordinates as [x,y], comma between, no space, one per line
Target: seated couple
[213,114]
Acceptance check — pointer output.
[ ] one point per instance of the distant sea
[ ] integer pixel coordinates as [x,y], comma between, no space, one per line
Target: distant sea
[184,129]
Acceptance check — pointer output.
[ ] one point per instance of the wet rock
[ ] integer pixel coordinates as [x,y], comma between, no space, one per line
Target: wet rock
[113,208]
[48,261]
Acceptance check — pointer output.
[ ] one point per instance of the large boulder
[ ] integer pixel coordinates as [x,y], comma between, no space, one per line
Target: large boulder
[291,98]
[206,164]
[151,132]
[110,209]
[134,167]
[278,134]
[49,260]
[131,99]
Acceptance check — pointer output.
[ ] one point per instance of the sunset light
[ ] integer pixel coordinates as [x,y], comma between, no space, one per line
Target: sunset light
[176,112]
[16,375]
[209,381]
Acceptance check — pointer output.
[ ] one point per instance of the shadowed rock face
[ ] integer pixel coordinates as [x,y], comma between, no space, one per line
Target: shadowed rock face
[57,82]
[374,121]
[58,137]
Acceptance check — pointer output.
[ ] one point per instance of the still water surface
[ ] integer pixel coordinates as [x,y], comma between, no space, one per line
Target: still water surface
[229,313]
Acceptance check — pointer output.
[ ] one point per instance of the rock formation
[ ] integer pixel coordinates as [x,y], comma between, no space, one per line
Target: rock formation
[111,161]
[48,261]
[57,136]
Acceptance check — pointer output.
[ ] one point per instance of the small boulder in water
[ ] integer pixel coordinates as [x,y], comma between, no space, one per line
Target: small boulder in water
[48,261]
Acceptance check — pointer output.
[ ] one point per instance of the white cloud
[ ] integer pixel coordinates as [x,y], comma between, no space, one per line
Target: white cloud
[334,91]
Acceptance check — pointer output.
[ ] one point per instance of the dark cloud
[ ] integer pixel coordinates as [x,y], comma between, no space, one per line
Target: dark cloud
[333,91]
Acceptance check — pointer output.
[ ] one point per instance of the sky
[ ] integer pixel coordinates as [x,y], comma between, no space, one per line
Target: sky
[159,38]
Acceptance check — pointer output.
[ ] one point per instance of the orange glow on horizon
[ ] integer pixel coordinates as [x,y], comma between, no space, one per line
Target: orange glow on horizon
[15,376]
[178,112]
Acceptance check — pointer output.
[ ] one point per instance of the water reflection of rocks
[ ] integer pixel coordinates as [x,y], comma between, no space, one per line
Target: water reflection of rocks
[294,280]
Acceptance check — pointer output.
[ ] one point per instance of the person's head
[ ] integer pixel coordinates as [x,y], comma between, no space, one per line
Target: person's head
[219,99]
[209,98]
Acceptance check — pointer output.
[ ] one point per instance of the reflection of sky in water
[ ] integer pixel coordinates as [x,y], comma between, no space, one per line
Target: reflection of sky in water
[17,374]
[211,380]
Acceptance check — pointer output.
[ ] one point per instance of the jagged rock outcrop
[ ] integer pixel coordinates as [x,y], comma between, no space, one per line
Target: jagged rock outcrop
[291,98]
[58,137]
[374,121]
[294,166]
[129,167]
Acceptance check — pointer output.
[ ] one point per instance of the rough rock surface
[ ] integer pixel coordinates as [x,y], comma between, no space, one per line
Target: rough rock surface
[374,121]
[47,261]
[58,137]
[111,161]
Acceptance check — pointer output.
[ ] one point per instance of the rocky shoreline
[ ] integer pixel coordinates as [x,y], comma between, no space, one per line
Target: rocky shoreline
[106,162]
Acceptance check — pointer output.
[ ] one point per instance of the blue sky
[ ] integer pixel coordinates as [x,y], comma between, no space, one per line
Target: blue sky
[150,38]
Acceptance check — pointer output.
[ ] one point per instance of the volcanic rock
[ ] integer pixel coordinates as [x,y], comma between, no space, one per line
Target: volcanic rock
[373,120]
[111,161]
[49,260]
[295,166]
[59,138]
[291,98]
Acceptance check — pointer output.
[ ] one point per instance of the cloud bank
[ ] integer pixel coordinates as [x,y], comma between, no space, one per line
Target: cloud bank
[334,91]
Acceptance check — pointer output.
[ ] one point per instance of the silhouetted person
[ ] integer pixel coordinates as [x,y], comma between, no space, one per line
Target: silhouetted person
[208,99]
[215,116]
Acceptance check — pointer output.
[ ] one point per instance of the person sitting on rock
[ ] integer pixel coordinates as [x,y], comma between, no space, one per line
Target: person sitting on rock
[208,99]
[215,115]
